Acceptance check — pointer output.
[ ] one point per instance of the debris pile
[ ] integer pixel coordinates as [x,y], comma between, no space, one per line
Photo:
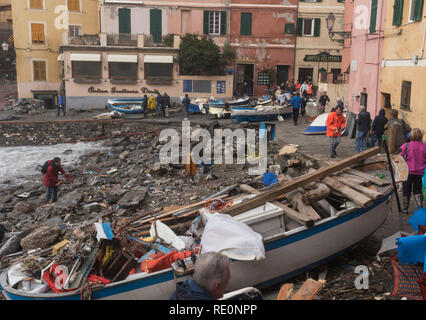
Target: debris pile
[28,106]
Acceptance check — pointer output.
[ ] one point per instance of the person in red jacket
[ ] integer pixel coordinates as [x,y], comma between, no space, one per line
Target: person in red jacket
[51,180]
[335,123]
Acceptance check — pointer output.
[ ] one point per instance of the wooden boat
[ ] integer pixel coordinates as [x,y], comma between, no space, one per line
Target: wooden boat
[222,109]
[260,113]
[127,106]
[291,248]
[319,125]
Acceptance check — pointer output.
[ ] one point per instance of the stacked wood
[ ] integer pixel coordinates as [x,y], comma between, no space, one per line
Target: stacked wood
[348,192]
[309,289]
[320,192]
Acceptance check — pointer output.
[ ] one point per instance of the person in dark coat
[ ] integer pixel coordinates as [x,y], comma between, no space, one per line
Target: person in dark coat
[145,106]
[51,180]
[160,106]
[363,126]
[210,280]
[378,128]
[166,104]
[186,102]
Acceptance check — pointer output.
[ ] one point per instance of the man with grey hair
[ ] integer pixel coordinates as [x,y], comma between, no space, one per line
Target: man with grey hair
[210,280]
[363,126]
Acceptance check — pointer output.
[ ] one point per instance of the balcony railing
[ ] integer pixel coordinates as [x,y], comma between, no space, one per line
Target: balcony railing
[125,40]
[337,78]
[87,39]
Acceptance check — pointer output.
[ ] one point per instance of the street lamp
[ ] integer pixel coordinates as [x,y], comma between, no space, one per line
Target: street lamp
[5,46]
[331,19]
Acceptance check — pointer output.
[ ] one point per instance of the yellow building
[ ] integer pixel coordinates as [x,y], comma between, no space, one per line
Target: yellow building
[317,55]
[40,28]
[404,61]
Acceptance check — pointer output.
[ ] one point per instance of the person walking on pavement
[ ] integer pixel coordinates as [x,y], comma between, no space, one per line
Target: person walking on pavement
[166,105]
[323,101]
[363,126]
[335,123]
[145,106]
[186,102]
[61,105]
[378,128]
[414,153]
[296,102]
[397,130]
[160,111]
[51,171]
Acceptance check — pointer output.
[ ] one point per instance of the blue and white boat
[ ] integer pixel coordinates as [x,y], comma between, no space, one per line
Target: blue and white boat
[222,109]
[260,113]
[125,105]
[290,249]
[319,125]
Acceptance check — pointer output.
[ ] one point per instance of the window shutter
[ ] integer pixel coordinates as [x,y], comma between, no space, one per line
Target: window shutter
[373,17]
[418,9]
[289,28]
[397,12]
[223,22]
[37,33]
[42,66]
[36,4]
[317,27]
[206,22]
[246,23]
[74,5]
[299,27]
[124,24]
[155,25]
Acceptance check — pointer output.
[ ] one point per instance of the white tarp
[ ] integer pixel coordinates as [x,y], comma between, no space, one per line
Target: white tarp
[166,234]
[85,57]
[131,58]
[232,238]
[157,59]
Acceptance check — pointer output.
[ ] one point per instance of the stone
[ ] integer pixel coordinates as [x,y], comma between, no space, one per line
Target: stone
[13,244]
[211,176]
[41,238]
[72,199]
[124,155]
[132,199]
[24,207]
[52,222]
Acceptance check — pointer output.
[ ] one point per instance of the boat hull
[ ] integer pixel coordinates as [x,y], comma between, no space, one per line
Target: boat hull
[126,111]
[287,256]
[262,114]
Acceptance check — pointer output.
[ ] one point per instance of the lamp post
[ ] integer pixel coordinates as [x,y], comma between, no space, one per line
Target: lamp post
[331,19]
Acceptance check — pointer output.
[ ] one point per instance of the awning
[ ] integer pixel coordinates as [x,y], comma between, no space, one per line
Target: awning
[132,58]
[158,59]
[85,57]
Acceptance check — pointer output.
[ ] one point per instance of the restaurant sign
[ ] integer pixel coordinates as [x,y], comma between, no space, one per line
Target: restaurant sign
[322,57]
[123,91]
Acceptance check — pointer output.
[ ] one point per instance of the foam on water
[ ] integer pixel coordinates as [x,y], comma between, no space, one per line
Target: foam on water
[19,164]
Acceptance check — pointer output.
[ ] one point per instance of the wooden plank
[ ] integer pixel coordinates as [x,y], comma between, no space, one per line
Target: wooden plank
[285,291]
[375,180]
[297,201]
[309,290]
[296,183]
[348,192]
[247,188]
[321,191]
[354,179]
[294,215]
[367,191]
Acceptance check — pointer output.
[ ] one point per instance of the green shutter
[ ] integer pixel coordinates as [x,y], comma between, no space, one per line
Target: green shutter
[289,28]
[246,23]
[124,25]
[206,22]
[317,27]
[418,9]
[223,23]
[373,17]
[398,8]
[155,25]
[299,27]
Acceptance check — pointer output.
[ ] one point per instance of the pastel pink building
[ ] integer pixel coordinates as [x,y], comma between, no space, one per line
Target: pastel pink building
[363,52]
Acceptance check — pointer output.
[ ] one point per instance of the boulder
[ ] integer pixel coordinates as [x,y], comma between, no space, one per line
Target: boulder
[132,199]
[41,238]
[24,207]
[71,199]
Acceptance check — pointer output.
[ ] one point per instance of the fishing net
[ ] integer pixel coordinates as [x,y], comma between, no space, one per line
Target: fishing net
[409,280]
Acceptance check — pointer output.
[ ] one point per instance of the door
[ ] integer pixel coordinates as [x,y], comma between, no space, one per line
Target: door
[155,25]
[245,79]
[306,74]
[282,74]
[186,22]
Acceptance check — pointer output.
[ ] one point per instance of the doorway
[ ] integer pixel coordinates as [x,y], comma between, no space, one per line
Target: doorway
[305,74]
[244,79]
[282,74]
[49,98]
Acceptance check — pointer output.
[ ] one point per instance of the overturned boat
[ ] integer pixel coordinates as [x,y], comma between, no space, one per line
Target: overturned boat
[127,106]
[260,113]
[294,242]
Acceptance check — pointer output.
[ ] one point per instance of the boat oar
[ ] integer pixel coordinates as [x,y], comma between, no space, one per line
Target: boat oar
[385,144]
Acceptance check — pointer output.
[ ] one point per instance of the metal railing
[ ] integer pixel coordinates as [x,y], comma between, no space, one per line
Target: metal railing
[125,40]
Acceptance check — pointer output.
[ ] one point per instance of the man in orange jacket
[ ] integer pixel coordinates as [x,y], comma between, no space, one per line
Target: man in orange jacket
[335,123]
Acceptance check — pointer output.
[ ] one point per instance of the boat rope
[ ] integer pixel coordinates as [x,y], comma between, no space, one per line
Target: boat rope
[86,291]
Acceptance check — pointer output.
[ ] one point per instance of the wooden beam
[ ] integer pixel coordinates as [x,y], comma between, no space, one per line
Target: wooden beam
[348,192]
[247,188]
[367,191]
[297,201]
[321,191]
[308,290]
[285,291]
[294,215]
[375,180]
[296,183]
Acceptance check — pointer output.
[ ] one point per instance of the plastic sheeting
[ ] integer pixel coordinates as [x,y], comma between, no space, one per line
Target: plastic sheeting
[412,250]
[419,219]
[232,238]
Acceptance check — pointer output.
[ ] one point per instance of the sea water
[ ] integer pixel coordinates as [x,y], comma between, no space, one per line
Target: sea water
[21,164]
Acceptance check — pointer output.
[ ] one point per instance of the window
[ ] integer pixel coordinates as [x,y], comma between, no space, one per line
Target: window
[74,5]
[37,33]
[215,22]
[363,101]
[373,17]
[308,27]
[156,25]
[386,100]
[289,28]
[123,70]
[416,9]
[398,8]
[36,4]
[202,86]
[405,95]
[158,71]
[246,24]
[74,31]
[86,69]
[39,70]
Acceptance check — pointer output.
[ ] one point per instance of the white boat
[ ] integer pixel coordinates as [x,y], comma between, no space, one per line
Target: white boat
[290,249]
[319,125]
[260,113]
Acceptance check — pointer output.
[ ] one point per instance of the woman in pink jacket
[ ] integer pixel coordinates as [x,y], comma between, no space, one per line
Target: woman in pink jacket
[414,153]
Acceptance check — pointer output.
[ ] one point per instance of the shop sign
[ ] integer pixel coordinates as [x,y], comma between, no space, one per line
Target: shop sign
[121,91]
[322,57]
